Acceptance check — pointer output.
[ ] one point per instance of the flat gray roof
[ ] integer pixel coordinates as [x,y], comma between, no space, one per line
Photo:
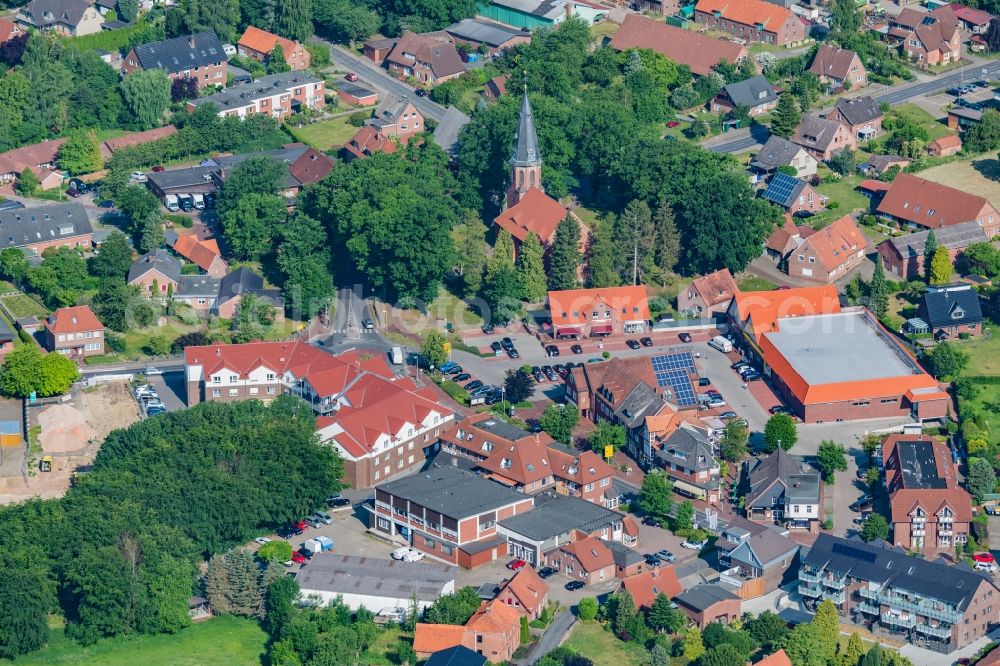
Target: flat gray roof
[452,492]
[347,574]
[842,347]
[553,517]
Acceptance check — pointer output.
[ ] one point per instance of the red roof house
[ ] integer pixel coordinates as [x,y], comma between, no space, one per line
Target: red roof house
[699,52]
[599,312]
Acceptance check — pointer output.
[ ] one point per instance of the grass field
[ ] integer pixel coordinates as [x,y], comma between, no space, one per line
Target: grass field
[980,175]
[601,646]
[227,641]
[22,305]
[326,134]
[754,283]
[449,306]
[845,193]
[915,114]
[604,29]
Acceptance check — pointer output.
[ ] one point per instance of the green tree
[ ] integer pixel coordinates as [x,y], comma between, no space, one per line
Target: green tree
[948,361]
[276,63]
[531,270]
[831,458]
[845,19]
[875,527]
[250,223]
[723,655]
[602,255]
[606,434]
[767,629]
[659,655]
[502,293]
[121,307]
[136,203]
[128,9]
[558,420]
[219,16]
[13,264]
[663,617]
[246,597]
[627,622]
[992,36]
[684,520]
[150,232]
[453,608]
[691,644]
[525,636]
[279,602]
[984,135]
[844,162]
[217,588]
[587,609]
[735,438]
[293,19]
[252,318]
[29,594]
[878,291]
[981,480]
[26,371]
[470,254]
[81,153]
[147,93]
[805,646]
[344,21]
[853,652]
[114,259]
[304,261]
[158,345]
[828,625]
[519,385]
[941,268]
[786,117]
[930,249]
[634,234]
[564,258]
[27,182]
[780,431]
[432,349]
[655,496]
[666,238]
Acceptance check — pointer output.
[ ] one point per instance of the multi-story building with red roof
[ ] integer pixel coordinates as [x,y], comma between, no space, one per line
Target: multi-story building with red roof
[75,332]
[493,631]
[601,312]
[751,21]
[526,592]
[931,514]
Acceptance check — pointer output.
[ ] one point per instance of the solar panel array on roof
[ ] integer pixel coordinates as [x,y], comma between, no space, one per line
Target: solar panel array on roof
[673,372]
[856,553]
[780,189]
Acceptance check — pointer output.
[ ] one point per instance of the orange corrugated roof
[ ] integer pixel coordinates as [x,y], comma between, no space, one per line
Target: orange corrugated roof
[536,213]
[563,304]
[748,12]
[764,308]
[949,141]
[429,638]
[263,41]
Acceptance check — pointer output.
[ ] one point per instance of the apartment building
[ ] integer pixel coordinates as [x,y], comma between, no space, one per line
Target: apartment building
[918,601]
[276,95]
[199,56]
[74,332]
[752,21]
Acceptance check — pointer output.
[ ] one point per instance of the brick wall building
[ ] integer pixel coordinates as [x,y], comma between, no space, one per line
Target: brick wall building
[198,56]
[74,332]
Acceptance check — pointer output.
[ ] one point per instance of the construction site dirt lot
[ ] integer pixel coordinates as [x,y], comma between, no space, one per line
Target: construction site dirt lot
[71,431]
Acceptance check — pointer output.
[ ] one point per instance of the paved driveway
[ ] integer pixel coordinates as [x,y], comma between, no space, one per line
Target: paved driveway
[171,389]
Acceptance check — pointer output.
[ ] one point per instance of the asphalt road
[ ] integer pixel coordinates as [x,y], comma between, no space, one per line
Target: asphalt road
[897,95]
[550,640]
[379,78]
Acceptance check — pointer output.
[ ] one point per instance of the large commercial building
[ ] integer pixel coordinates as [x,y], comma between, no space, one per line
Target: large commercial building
[829,363]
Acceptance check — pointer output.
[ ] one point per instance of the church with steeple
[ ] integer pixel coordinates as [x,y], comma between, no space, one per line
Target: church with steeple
[528,209]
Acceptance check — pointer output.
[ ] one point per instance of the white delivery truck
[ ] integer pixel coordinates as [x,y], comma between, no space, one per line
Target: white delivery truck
[199,201]
[170,201]
[397,356]
[721,343]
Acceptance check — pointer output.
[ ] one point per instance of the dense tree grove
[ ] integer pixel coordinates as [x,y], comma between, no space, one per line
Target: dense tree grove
[118,553]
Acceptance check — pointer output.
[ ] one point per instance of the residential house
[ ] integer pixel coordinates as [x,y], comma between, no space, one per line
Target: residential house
[928,39]
[448,129]
[588,560]
[39,157]
[931,513]
[951,310]
[398,117]
[493,631]
[477,33]
[459,525]
[75,332]
[755,94]
[354,94]
[686,47]
[945,146]
[661,7]
[878,165]
[905,256]
[155,273]
[707,295]
[793,194]
[781,490]
[69,18]
[599,313]
[911,200]
[761,557]
[366,142]
[200,292]
[10,31]
[301,165]
[830,253]
[651,583]
[34,230]
[923,602]
[557,520]
[861,115]
[708,603]
[242,282]
[823,138]
[205,254]
[496,87]
[460,655]
[784,240]
[198,56]
[779,658]
[425,59]
[752,21]
[526,592]
[779,152]
[687,457]
[275,95]
[839,68]
[259,44]
[377,49]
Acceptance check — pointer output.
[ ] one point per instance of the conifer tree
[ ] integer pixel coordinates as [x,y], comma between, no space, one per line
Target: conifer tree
[531,269]
[564,259]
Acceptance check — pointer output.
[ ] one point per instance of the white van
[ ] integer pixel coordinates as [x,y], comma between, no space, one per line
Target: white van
[199,201]
[397,356]
[170,201]
[721,343]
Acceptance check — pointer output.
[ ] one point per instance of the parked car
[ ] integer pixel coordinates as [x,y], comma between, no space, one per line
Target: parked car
[539,378]
[262,540]
[685,337]
[646,342]
[488,329]
[324,518]
[298,558]
[633,344]
[576,349]
[694,545]
[406,552]
[454,370]
[574,585]
[704,381]
[107,203]
[337,501]
[728,416]
[666,556]
[560,370]
[516,564]
[139,177]
[596,359]
[368,324]
[512,353]
[153,371]
[496,347]
[778,409]
[461,377]
[473,385]
[506,343]
[447,365]
[861,503]
[545,572]
[552,350]
[985,558]
[73,192]
[651,560]
[716,402]
[652,521]
[158,169]
[420,92]
[351,76]
[550,373]
[739,364]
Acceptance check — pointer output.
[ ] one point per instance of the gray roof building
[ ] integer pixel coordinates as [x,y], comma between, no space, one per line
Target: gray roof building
[484,32]
[448,129]
[554,517]
[780,477]
[158,260]
[624,556]
[702,597]
[23,227]
[375,577]
[190,180]
[245,281]
[241,95]
[859,110]
[953,237]
[951,305]
[755,91]
[286,156]
[47,13]
[815,132]
[777,152]
[452,492]
[197,286]
[688,448]
[182,53]
[526,151]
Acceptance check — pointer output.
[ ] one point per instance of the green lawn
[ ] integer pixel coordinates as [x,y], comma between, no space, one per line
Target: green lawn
[22,305]
[984,354]
[601,646]
[915,114]
[326,134]
[604,29]
[456,311]
[225,641]
[754,283]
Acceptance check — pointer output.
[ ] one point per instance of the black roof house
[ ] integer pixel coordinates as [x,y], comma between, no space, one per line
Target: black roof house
[755,91]
[950,306]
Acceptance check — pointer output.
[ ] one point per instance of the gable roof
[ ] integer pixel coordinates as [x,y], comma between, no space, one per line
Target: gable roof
[571,306]
[859,110]
[891,567]
[776,152]
[779,658]
[783,189]
[833,61]
[702,597]
[199,252]
[934,30]
[646,586]
[688,447]
[458,655]
[953,237]
[263,41]
[882,163]
[494,617]
[835,244]
[783,469]
[158,260]
[970,15]
[783,236]
[755,91]
[764,548]
[536,213]
[447,131]
[45,13]
[132,139]
[391,110]
[591,553]
[815,132]
[947,141]
[699,52]
[528,587]
[748,12]
[198,285]
[762,308]
[17,160]
[368,141]
[310,167]
[929,204]
[182,53]
[8,29]
[951,305]
[435,637]
[441,57]
[20,227]
[241,281]
[74,320]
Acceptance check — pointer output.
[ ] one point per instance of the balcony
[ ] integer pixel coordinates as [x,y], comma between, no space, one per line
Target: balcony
[899,621]
[810,576]
[835,583]
[918,532]
[836,597]
[867,609]
[865,593]
[810,591]
[938,612]
[938,632]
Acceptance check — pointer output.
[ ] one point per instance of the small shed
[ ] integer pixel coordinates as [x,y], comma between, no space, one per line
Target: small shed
[199,608]
[29,325]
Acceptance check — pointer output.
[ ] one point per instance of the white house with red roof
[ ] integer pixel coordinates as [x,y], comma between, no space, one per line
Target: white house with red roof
[380,424]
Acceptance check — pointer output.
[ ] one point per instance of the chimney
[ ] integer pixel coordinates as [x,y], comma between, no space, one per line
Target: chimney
[191,41]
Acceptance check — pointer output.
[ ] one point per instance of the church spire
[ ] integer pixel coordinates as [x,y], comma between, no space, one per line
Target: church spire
[526,153]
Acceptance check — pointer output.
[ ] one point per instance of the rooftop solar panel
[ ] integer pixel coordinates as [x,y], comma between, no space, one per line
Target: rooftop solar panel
[673,372]
[780,188]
